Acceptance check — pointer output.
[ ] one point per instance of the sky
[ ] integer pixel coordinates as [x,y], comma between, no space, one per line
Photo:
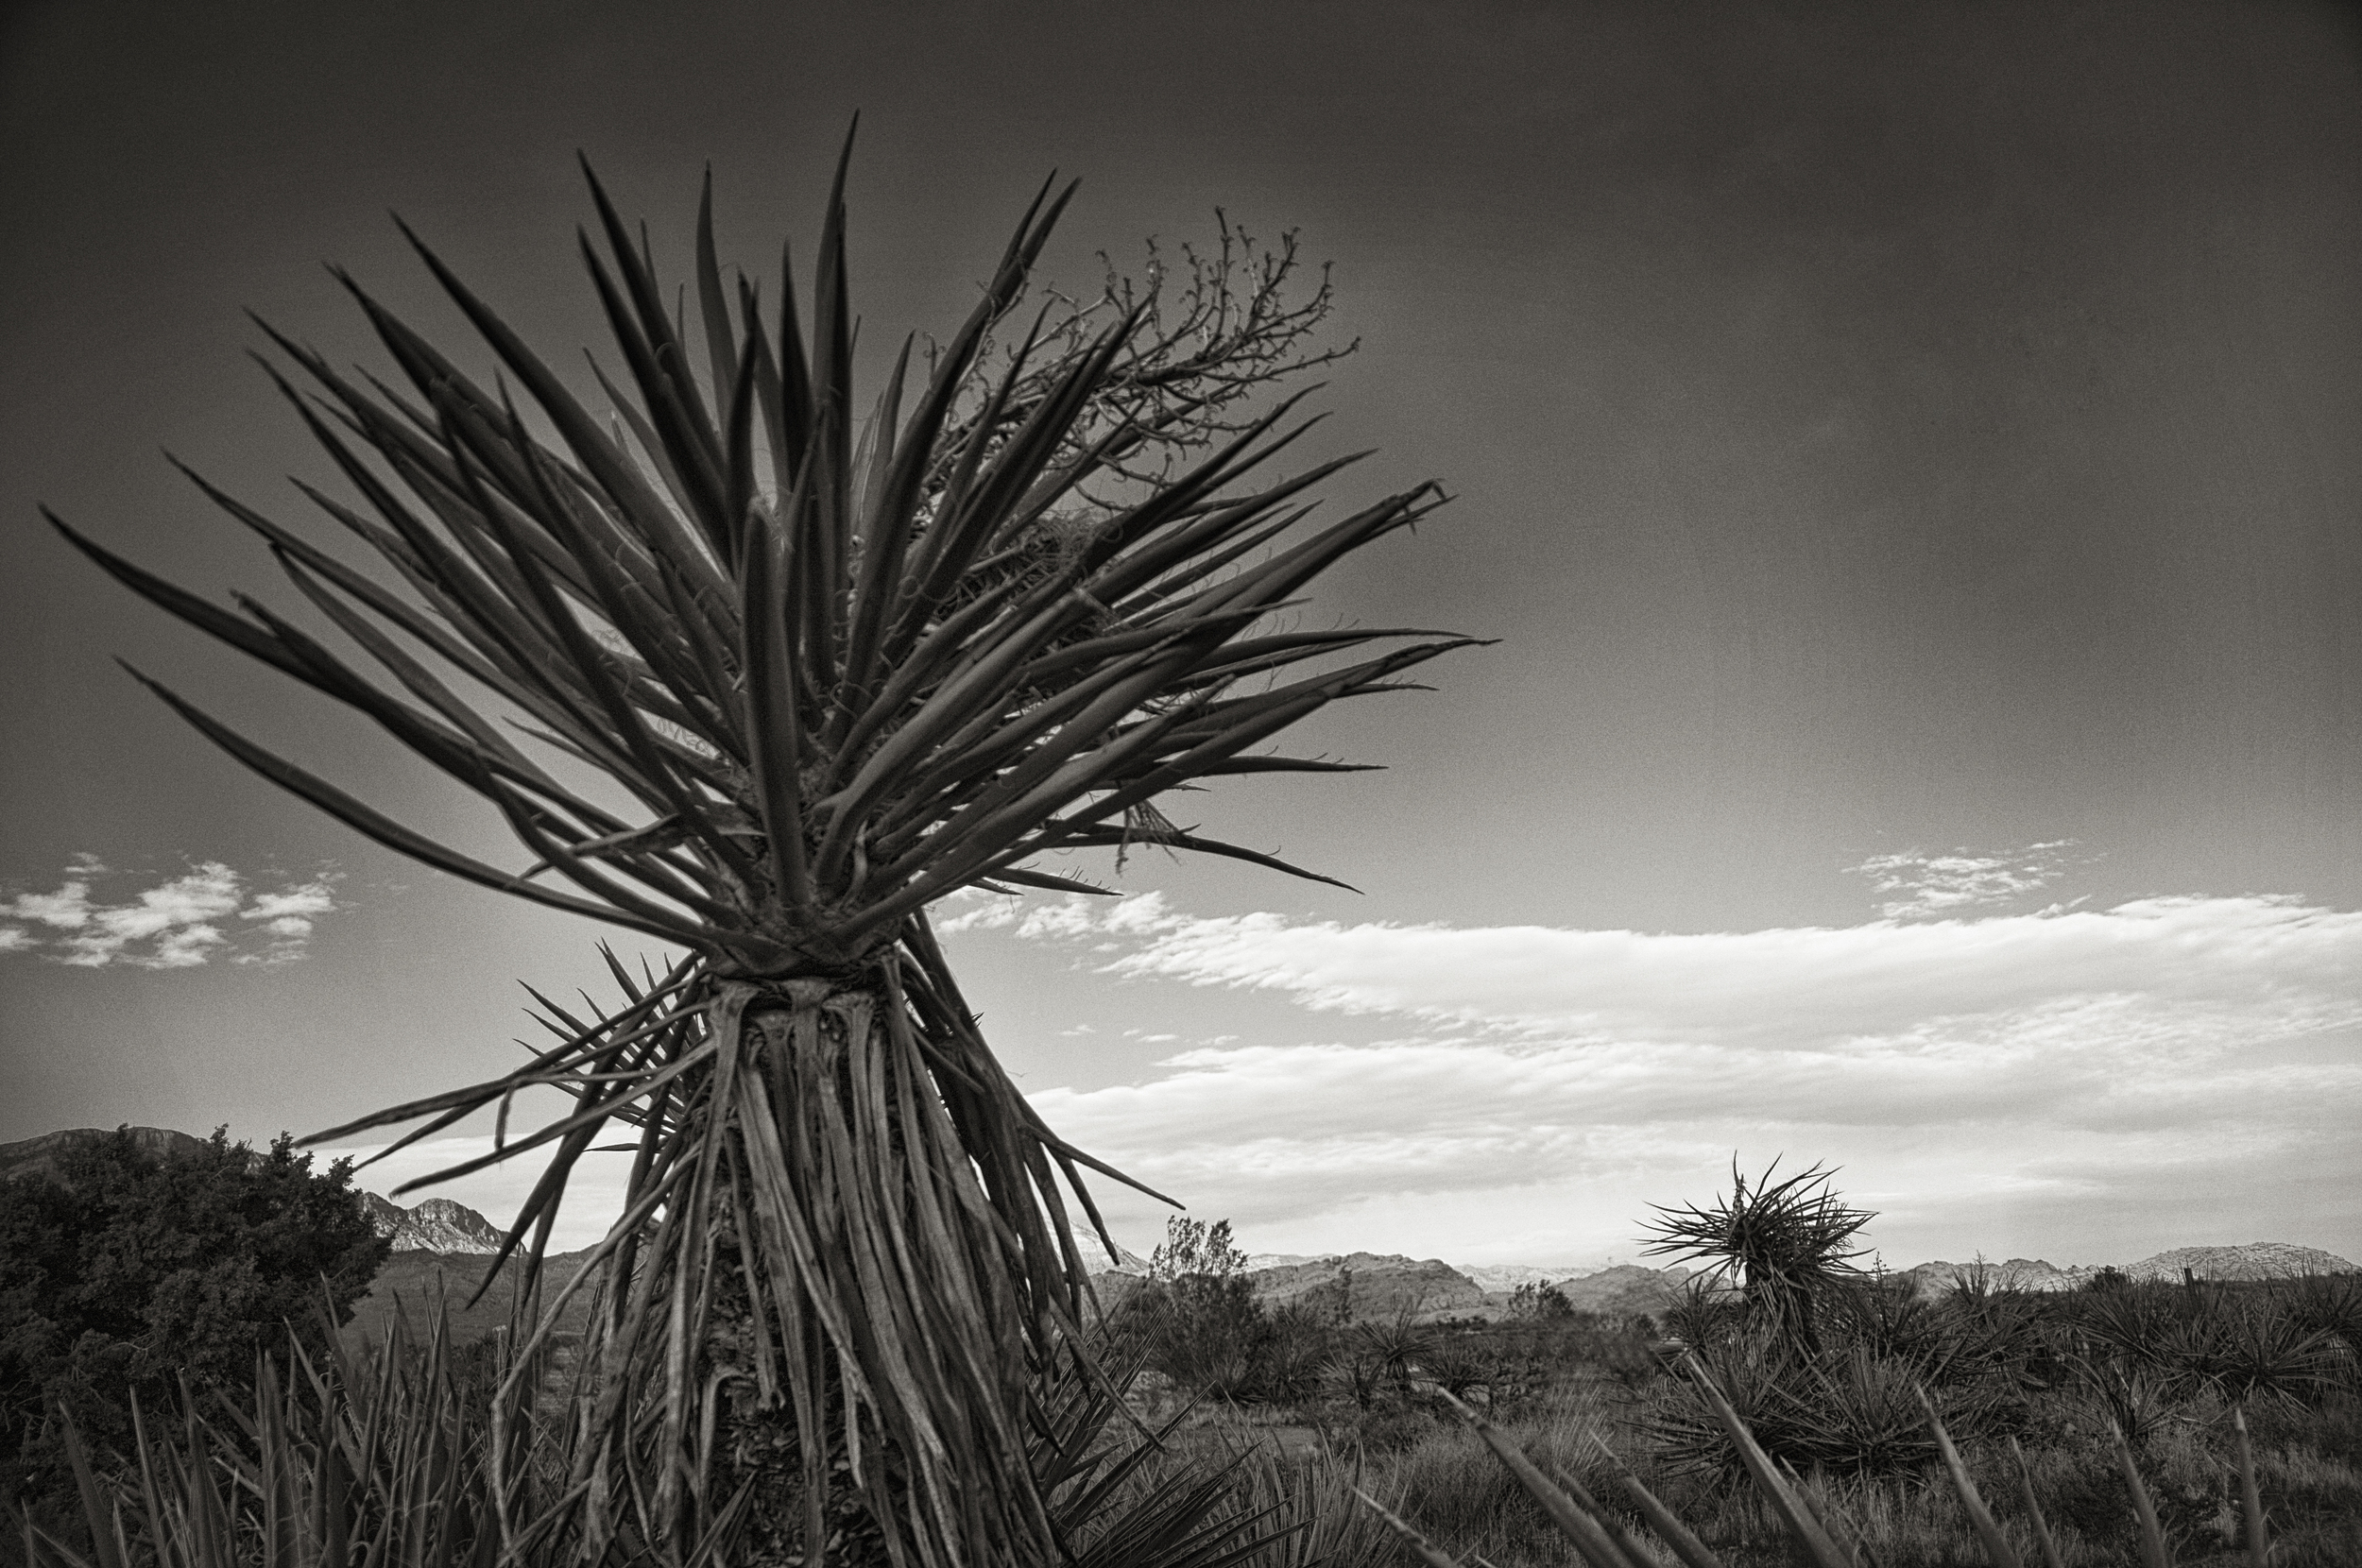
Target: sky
[1911,459]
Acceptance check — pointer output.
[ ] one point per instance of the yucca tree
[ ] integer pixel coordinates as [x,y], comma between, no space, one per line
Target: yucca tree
[842,670]
[1785,1244]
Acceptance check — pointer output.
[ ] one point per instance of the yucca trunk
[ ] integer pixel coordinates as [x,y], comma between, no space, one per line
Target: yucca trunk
[853,1126]
[833,1087]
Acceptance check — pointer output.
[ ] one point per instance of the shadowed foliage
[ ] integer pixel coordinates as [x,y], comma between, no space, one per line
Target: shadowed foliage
[123,1272]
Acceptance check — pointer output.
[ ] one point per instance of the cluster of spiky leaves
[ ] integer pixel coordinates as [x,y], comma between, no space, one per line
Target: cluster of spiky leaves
[842,687]
[843,674]
[1782,1242]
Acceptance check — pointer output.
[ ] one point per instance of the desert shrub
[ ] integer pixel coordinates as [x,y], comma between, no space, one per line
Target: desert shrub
[1628,1356]
[1291,1356]
[1394,1344]
[2332,1304]
[1463,1367]
[1309,1513]
[1206,1331]
[1196,1316]
[2260,1351]
[1852,1413]
[1885,1317]
[2125,1396]
[126,1273]
[2256,1344]
[2016,1337]
[2139,1324]
[1202,1331]
[1704,1314]
[1391,1426]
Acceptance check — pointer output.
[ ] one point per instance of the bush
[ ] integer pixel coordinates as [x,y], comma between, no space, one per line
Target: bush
[126,1275]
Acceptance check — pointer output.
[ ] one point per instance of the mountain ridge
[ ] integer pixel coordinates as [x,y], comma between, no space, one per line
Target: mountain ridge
[1383,1284]
[445,1226]
[43,1154]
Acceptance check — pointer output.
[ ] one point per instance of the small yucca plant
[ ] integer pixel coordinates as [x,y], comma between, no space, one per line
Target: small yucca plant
[1786,1245]
[842,669]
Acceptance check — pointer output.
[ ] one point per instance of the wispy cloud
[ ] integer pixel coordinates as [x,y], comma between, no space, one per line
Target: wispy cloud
[1959,879]
[2074,1079]
[184,922]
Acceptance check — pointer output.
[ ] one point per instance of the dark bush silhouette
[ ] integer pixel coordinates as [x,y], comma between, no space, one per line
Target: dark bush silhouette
[122,1273]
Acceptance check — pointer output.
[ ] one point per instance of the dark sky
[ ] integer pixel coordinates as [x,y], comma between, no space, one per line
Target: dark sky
[1874,429]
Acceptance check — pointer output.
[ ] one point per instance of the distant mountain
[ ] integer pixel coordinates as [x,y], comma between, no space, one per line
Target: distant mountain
[44,1155]
[1286,1260]
[2257,1260]
[1507,1276]
[1382,1283]
[437,1225]
[2018,1273]
[1095,1261]
[1623,1290]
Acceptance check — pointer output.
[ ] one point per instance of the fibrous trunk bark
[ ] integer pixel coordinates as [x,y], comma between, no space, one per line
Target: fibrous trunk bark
[850,1256]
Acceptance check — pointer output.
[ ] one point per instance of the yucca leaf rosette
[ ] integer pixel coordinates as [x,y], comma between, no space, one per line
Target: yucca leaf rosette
[843,668]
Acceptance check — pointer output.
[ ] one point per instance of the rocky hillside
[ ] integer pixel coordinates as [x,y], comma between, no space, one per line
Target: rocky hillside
[437,1225]
[2257,1260]
[416,1286]
[1378,1284]
[1505,1277]
[2018,1273]
[1095,1260]
[1623,1290]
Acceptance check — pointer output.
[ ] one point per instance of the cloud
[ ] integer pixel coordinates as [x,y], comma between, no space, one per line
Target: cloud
[287,917]
[1944,884]
[173,925]
[2025,1079]
[291,903]
[168,927]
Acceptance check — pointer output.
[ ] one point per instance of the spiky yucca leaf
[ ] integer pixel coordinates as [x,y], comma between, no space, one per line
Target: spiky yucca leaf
[841,673]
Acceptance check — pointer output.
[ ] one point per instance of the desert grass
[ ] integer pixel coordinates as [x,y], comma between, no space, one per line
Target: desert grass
[2069,1501]
[2194,1424]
